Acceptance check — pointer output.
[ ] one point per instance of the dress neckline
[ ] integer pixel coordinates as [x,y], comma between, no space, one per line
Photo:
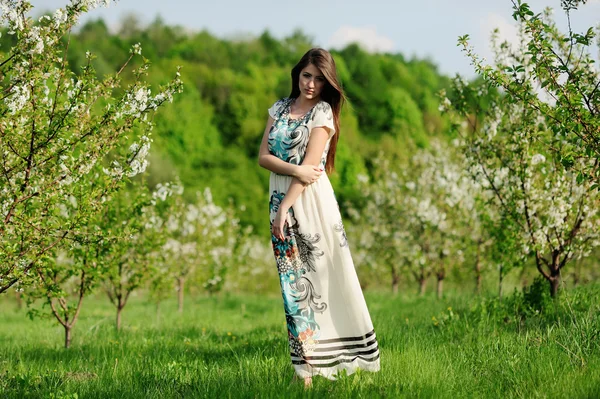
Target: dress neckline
[288,109]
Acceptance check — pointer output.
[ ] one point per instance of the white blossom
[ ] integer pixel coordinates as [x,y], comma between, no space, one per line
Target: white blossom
[136,49]
[19,96]
[538,158]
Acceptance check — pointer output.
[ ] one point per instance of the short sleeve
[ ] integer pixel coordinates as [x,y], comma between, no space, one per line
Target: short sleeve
[275,109]
[323,117]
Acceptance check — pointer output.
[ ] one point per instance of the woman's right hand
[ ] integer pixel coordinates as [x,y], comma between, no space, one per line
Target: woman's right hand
[308,174]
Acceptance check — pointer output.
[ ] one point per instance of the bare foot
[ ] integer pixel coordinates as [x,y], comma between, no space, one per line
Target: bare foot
[307,382]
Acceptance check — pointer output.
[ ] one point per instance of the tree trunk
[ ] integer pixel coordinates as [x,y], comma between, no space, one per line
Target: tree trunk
[555,274]
[67,335]
[554,286]
[478,269]
[395,281]
[119,310]
[441,274]
[440,286]
[19,300]
[67,321]
[180,286]
[422,285]
[500,277]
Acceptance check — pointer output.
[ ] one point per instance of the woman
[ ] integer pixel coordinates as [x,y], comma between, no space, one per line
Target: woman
[329,327]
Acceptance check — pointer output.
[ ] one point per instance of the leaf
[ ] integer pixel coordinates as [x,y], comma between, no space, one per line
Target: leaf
[567,162]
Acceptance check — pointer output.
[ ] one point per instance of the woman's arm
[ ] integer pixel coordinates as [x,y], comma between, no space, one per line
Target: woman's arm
[271,162]
[314,151]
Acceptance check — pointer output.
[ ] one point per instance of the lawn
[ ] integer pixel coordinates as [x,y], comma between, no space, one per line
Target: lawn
[236,346]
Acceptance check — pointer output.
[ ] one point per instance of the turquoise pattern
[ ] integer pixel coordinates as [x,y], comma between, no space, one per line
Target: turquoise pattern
[296,256]
[288,138]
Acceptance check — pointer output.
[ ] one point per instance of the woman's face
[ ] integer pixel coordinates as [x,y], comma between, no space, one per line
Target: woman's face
[311,82]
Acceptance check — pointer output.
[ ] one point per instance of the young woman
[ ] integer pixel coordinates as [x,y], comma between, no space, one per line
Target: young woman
[329,326]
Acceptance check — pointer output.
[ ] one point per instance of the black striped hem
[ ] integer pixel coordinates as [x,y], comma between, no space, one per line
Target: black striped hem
[355,346]
[347,339]
[372,359]
[329,357]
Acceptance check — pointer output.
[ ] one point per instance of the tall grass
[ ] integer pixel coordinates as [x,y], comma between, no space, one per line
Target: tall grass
[236,346]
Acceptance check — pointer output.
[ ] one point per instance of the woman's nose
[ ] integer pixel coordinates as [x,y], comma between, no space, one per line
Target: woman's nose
[311,83]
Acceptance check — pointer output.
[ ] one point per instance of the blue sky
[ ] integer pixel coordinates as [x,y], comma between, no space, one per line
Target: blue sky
[424,28]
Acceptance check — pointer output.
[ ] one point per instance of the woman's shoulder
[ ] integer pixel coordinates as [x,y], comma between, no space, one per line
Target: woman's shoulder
[281,101]
[323,107]
[277,107]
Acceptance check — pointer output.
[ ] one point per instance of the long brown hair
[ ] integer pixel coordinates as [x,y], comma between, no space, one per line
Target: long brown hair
[332,92]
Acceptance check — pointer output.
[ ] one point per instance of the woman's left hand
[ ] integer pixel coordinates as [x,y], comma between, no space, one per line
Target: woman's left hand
[278,223]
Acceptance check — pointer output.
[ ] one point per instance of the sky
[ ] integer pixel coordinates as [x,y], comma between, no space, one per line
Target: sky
[421,28]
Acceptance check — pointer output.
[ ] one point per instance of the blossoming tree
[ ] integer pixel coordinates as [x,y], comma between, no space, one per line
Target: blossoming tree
[202,242]
[531,146]
[417,215]
[128,264]
[56,131]
[554,73]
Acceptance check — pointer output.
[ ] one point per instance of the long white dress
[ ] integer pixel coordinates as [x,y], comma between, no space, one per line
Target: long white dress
[329,326]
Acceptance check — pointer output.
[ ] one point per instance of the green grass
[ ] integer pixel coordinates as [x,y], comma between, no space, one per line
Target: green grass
[215,350]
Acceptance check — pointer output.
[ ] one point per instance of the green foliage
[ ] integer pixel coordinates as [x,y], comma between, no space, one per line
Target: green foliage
[210,136]
[407,119]
[536,297]
[534,307]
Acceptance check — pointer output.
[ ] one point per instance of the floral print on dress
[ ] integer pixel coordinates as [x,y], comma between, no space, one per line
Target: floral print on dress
[288,138]
[339,227]
[295,256]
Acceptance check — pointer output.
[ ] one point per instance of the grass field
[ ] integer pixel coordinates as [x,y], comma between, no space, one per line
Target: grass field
[236,346]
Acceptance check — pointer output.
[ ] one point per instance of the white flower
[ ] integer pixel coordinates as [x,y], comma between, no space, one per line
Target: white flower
[208,195]
[162,191]
[136,49]
[136,103]
[60,17]
[91,4]
[138,167]
[139,163]
[117,169]
[362,178]
[35,37]
[18,99]
[538,158]
[73,201]
[134,147]
[445,105]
